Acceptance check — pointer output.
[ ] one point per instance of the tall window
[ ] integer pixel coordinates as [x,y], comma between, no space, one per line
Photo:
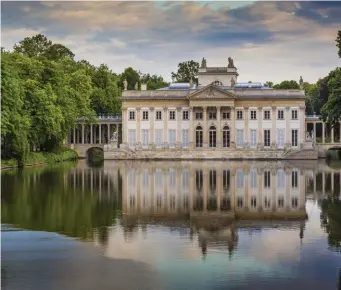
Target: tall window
[253,181]
[131,115]
[253,201]
[294,115]
[158,178]
[226,179]
[267,139]
[267,202]
[267,115]
[145,178]
[240,202]
[267,182]
[253,115]
[280,138]
[239,115]
[240,137]
[226,115]
[185,178]
[158,137]
[212,115]
[131,137]
[171,177]
[280,115]
[226,136]
[253,138]
[213,137]
[185,138]
[198,136]
[199,179]
[185,115]
[294,179]
[280,202]
[294,136]
[294,202]
[198,115]
[158,115]
[171,115]
[213,180]
[145,137]
[172,138]
[145,115]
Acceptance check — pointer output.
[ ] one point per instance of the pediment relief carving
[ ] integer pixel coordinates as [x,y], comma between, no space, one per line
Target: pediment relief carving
[211,92]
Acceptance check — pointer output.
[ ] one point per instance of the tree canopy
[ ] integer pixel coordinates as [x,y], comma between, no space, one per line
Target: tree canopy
[338,42]
[186,72]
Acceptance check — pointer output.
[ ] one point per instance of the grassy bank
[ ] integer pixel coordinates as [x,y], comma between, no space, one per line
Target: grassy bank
[35,158]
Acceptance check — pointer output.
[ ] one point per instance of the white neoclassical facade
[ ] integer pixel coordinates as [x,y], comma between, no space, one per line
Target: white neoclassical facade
[219,116]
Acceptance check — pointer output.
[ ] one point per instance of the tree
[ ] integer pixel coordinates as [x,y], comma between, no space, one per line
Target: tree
[338,42]
[331,110]
[33,46]
[269,84]
[287,85]
[58,51]
[132,77]
[153,82]
[186,72]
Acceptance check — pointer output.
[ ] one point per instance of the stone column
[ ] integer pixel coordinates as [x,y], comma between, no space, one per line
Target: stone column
[108,126]
[287,125]
[74,135]
[340,137]
[100,133]
[233,128]
[331,134]
[314,182]
[138,127]
[260,129]
[323,183]
[314,136]
[165,127]
[273,128]
[219,131]
[152,131]
[332,181]
[191,129]
[124,127]
[219,189]
[91,137]
[302,124]
[323,132]
[82,133]
[246,125]
[178,128]
[205,129]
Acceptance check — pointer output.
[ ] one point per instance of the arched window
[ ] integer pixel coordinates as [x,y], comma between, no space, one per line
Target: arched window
[212,137]
[198,136]
[226,136]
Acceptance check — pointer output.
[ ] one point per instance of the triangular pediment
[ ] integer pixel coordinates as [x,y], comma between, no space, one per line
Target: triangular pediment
[211,92]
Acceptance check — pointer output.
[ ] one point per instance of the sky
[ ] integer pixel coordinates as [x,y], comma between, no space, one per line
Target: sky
[268,41]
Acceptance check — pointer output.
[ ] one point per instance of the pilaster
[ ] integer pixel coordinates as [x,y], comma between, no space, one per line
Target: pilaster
[219,129]
[191,129]
[178,128]
[273,128]
[246,126]
[165,127]
[260,127]
[233,128]
[152,131]
[287,126]
[205,129]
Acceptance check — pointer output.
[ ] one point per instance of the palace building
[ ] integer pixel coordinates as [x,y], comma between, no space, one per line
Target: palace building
[214,114]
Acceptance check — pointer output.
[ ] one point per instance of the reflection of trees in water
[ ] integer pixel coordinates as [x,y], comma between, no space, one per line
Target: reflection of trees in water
[331,220]
[38,199]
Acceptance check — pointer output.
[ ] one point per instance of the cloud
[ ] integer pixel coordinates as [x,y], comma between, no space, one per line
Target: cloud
[268,40]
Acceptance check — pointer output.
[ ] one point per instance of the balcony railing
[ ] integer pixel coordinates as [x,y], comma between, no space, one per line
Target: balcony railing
[106,117]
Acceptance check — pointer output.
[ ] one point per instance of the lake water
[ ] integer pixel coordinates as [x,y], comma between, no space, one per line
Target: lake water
[172,225]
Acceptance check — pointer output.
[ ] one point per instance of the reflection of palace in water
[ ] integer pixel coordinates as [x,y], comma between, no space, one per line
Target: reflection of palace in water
[238,190]
[209,201]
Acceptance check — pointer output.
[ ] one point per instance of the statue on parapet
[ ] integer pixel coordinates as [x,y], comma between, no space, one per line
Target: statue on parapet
[231,64]
[114,137]
[301,83]
[136,86]
[233,82]
[203,63]
[125,84]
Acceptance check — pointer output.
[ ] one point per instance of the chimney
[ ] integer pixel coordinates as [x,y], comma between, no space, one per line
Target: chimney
[143,87]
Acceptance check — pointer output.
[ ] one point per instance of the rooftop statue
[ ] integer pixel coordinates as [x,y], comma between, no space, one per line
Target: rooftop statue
[136,86]
[125,83]
[301,82]
[203,63]
[114,137]
[231,64]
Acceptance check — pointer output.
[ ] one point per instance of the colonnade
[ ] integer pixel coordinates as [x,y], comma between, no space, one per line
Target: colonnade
[315,120]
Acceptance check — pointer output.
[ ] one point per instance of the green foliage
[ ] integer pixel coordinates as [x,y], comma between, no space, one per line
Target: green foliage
[338,42]
[186,71]
[153,82]
[331,110]
[132,77]
[269,84]
[287,85]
